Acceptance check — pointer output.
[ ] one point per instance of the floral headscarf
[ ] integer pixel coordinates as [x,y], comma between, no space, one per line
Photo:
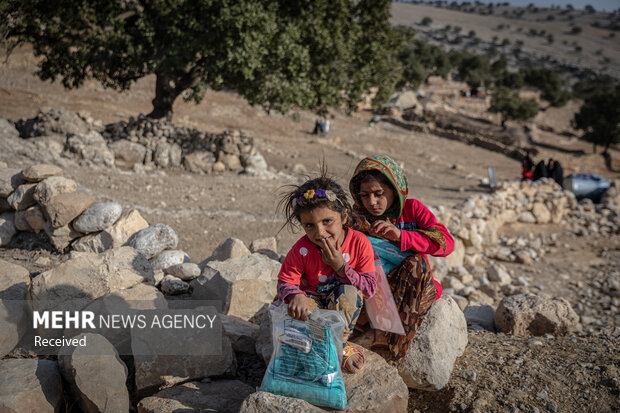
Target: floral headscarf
[392,171]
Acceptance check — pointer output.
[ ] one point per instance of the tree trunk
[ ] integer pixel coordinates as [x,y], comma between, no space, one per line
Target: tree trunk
[165,94]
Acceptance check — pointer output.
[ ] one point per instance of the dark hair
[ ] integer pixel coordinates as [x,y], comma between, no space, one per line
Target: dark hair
[294,203]
[371,175]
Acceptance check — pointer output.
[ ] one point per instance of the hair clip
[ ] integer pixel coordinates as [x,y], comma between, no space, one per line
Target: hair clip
[318,193]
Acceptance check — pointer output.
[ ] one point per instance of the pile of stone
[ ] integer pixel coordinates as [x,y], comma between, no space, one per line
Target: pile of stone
[141,143]
[474,276]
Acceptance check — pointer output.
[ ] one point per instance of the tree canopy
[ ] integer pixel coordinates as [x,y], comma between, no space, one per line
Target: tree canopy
[310,54]
[510,106]
[599,118]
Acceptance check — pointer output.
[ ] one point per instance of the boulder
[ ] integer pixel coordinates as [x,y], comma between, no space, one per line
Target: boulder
[172,285]
[20,222]
[222,396]
[186,271]
[90,147]
[264,341]
[139,297]
[480,315]
[118,233]
[77,282]
[268,243]
[159,369]
[199,161]
[94,243]
[14,283]
[28,385]
[64,208]
[22,197]
[97,217]
[498,274]
[61,237]
[242,334]
[153,240]
[7,228]
[530,314]
[455,259]
[96,375]
[245,285]
[377,388]
[35,218]
[527,217]
[53,186]
[39,172]
[127,153]
[541,213]
[261,402]
[230,248]
[10,179]
[169,258]
[440,339]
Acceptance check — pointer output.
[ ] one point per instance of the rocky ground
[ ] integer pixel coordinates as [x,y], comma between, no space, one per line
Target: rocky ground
[497,372]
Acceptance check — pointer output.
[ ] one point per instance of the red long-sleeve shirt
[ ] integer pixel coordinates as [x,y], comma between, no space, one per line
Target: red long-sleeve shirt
[415,216]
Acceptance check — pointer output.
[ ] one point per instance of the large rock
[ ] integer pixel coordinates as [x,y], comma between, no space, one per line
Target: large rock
[93,243]
[264,341]
[154,371]
[441,338]
[37,173]
[77,282]
[530,314]
[28,385]
[14,283]
[35,218]
[10,179]
[98,216]
[497,273]
[377,388]
[65,207]
[455,259]
[53,186]
[230,248]
[541,212]
[172,285]
[186,271]
[222,396]
[7,228]
[115,235]
[242,334]
[480,315]
[137,298]
[261,402]
[154,239]
[127,153]
[167,259]
[61,237]
[90,147]
[22,197]
[96,375]
[245,285]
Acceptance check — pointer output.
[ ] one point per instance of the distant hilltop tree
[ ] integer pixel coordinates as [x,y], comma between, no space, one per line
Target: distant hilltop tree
[275,53]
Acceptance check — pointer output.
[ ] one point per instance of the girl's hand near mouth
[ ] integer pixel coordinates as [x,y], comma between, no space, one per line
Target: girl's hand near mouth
[332,255]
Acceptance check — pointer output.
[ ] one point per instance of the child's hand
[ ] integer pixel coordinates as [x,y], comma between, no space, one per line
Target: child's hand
[331,254]
[385,230]
[298,307]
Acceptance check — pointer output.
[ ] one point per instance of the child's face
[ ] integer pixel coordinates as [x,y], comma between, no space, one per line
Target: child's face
[377,197]
[323,223]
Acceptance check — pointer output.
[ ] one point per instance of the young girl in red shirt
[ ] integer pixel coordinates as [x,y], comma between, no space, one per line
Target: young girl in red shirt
[332,265]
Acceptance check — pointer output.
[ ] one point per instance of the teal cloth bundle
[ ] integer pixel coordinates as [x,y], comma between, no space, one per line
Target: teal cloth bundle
[313,376]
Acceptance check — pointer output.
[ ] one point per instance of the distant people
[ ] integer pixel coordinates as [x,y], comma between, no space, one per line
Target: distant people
[317,125]
[527,170]
[555,171]
[321,127]
[326,128]
[540,171]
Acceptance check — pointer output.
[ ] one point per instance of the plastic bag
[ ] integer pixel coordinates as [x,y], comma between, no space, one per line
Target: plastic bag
[307,356]
[381,308]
